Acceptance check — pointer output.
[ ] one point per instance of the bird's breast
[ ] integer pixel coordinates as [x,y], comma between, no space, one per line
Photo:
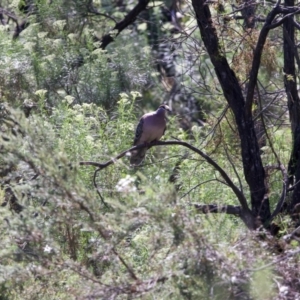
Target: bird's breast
[153,130]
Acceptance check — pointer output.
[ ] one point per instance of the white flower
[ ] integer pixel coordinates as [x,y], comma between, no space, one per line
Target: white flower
[77,107]
[69,99]
[89,139]
[48,249]
[126,185]
[41,93]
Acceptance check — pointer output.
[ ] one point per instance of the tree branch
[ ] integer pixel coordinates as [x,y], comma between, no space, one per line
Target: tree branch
[257,58]
[93,10]
[196,186]
[209,160]
[128,20]
[252,163]
[281,166]
[288,11]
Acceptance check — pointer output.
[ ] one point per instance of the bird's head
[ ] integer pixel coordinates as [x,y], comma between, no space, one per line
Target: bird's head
[165,108]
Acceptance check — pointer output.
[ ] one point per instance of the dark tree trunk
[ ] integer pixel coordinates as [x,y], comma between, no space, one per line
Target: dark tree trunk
[248,13]
[290,81]
[252,164]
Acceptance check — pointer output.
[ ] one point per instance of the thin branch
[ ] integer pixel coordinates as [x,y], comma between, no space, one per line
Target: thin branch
[281,166]
[257,57]
[293,187]
[265,108]
[296,24]
[219,119]
[290,236]
[230,160]
[288,255]
[280,22]
[19,27]
[196,186]
[288,11]
[209,160]
[120,26]
[130,270]
[93,10]
[9,14]
[96,187]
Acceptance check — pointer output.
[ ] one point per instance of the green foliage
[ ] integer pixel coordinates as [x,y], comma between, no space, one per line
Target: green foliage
[49,55]
[65,240]
[262,286]
[144,239]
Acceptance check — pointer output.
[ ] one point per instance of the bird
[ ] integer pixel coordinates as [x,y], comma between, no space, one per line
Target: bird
[150,128]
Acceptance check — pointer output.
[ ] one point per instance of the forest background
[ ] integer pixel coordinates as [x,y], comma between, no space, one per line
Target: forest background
[212,213]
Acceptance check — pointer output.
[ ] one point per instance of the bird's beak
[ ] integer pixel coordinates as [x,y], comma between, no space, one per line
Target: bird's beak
[168,108]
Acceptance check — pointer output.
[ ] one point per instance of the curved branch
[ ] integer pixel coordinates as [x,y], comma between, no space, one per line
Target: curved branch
[196,186]
[209,160]
[93,10]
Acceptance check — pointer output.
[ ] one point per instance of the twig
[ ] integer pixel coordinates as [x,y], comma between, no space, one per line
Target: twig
[96,187]
[288,11]
[197,185]
[291,235]
[257,57]
[292,253]
[130,270]
[281,166]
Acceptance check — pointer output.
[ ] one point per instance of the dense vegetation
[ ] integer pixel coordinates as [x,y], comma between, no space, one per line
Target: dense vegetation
[213,213]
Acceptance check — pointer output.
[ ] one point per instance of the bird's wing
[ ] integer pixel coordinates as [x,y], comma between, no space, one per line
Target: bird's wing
[138,132]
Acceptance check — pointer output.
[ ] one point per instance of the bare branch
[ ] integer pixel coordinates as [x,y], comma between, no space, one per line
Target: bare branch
[93,10]
[257,57]
[288,11]
[231,162]
[197,185]
[290,236]
[130,270]
[9,14]
[226,178]
[297,25]
[96,187]
[128,20]
[293,187]
[281,166]
[252,162]
[276,261]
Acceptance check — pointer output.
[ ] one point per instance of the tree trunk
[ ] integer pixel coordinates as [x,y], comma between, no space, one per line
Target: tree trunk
[252,164]
[290,81]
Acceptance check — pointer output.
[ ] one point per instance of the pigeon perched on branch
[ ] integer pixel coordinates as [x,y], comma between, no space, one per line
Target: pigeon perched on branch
[150,128]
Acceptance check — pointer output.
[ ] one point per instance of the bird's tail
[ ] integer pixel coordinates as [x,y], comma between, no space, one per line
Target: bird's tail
[137,156]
